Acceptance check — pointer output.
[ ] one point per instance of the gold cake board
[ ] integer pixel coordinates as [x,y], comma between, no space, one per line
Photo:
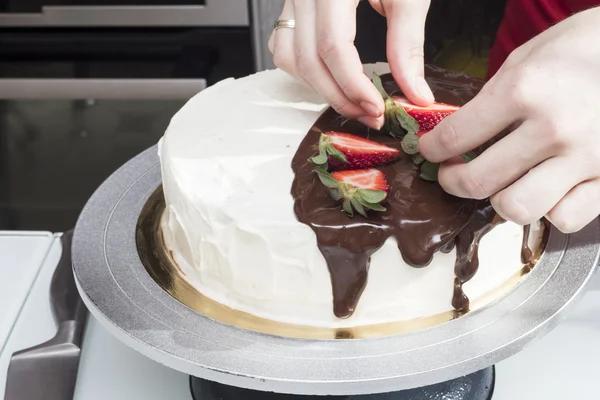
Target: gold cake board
[161,266]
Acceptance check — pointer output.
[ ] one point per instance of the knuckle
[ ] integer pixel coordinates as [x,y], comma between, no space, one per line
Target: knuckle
[303,65]
[339,106]
[448,137]
[514,58]
[554,136]
[415,52]
[472,186]
[511,209]
[282,60]
[327,48]
[519,93]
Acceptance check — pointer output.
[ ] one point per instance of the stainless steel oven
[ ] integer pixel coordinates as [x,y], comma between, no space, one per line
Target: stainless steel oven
[72,13]
[200,40]
[87,84]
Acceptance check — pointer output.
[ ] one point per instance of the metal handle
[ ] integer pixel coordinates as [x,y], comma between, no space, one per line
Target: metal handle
[101,89]
[213,13]
[65,300]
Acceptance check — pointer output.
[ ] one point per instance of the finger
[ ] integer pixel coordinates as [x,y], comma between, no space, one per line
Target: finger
[497,167]
[472,125]
[336,30]
[271,42]
[405,39]
[578,208]
[376,4]
[536,193]
[282,43]
[311,68]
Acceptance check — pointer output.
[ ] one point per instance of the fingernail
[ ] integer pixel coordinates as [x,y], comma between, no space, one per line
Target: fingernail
[373,123]
[372,109]
[424,90]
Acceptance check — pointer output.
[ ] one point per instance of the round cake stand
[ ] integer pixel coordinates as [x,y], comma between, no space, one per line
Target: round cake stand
[476,386]
[128,302]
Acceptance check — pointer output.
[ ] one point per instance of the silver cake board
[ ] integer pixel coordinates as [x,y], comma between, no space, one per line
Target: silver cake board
[128,302]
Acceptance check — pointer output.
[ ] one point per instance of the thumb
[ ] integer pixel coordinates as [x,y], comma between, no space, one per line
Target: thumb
[405,39]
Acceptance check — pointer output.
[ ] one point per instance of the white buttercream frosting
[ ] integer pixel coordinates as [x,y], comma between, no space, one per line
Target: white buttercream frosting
[230,224]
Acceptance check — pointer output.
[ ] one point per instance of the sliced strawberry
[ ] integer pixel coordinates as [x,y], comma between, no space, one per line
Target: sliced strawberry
[402,116]
[345,151]
[421,133]
[397,121]
[369,179]
[358,190]
[427,117]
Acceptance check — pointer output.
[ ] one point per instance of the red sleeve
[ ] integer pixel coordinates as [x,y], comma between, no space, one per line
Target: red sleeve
[524,19]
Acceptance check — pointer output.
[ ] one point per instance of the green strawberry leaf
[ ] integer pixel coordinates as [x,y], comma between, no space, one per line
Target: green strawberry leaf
[371,196]
[347,206]
[408,123]
[353,198]
[392,127]
[335,153]
[320,159]
[429,171]
[326,178]
[358,207]
[469,156]
[418,159]
[410,144]
[335,194]
[326,149]
[379,86]
[397,121]
[375,206]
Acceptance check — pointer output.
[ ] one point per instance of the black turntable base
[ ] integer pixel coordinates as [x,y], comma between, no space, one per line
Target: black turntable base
[477,386]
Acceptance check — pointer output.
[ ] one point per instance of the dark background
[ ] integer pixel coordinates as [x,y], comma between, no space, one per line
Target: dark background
[55,153]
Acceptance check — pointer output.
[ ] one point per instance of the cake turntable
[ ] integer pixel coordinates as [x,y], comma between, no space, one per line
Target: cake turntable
[230,362]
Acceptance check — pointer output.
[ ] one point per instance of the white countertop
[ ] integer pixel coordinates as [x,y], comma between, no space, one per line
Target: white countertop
[562,365]
[21,256]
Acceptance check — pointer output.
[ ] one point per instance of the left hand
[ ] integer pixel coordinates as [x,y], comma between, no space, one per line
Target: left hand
[548,94]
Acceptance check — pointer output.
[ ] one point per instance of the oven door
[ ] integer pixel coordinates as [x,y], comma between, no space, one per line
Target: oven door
[60,139]
[102,13]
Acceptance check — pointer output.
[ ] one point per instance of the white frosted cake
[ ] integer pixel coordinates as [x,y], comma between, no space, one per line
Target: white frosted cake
[232,228]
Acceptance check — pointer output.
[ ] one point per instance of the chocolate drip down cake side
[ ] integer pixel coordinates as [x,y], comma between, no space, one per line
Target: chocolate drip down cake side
[278,207]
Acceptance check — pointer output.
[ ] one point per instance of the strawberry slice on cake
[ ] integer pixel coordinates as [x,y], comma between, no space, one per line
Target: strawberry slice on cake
[358,190]
[403,117]
[426,117]
[345,151]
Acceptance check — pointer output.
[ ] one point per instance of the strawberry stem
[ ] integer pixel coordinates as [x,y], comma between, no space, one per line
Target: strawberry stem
[429,170]
[397,121]
[353,198]
[326,150]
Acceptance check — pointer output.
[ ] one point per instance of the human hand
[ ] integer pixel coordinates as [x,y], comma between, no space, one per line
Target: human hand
[320,52]
[547,94]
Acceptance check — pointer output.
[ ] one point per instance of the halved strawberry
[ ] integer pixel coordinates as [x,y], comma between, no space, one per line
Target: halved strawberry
[359,190]
[345,151]
[402,116]
[427,117]
[397,122]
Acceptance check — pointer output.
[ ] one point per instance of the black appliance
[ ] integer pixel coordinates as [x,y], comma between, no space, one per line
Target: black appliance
[86,85]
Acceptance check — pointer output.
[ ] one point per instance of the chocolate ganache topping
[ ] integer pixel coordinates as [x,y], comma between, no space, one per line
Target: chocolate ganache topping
[422,217]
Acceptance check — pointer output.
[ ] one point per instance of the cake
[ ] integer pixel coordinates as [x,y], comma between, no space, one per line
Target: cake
[250,225]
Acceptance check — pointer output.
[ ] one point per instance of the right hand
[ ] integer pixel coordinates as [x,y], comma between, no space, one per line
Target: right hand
[320,52]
